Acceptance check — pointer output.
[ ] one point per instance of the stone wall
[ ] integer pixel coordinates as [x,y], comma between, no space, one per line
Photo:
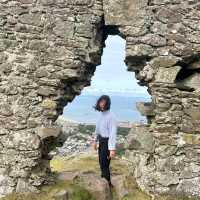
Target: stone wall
[48,53]
[49,50]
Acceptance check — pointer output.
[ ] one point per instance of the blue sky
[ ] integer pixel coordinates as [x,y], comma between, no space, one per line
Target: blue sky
[112,75]
[113,79]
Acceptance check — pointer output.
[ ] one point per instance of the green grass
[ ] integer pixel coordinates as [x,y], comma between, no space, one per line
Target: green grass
[86,128]
[79,193]
[89,129]
[123,131]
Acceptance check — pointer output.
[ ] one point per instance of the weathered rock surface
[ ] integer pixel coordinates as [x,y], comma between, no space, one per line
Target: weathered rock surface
[49,51]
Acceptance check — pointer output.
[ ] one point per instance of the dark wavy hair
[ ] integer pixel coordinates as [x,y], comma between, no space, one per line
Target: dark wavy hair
[107,105]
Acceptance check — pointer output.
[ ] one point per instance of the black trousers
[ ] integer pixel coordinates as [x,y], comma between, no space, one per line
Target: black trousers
[104,160]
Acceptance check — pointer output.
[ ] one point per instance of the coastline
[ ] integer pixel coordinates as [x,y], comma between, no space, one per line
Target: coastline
[125,124]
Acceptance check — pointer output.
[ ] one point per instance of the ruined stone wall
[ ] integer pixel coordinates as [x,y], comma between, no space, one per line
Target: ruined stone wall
[49,50]
[166,152]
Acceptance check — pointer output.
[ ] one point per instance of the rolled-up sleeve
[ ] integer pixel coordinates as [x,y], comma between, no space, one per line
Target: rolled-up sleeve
[113,125]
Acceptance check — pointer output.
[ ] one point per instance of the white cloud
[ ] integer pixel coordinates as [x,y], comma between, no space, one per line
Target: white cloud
[112,75]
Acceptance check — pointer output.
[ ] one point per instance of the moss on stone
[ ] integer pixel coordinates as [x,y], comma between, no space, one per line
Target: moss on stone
[76,192]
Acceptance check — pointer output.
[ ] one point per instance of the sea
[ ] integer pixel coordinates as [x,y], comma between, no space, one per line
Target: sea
[124,107]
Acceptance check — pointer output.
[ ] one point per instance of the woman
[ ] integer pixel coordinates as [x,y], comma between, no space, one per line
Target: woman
[105,133]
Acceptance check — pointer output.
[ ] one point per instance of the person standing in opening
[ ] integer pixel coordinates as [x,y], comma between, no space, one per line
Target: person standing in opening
[105,133]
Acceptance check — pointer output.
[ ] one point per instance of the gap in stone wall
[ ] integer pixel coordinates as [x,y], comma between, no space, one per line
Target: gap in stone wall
[113,78]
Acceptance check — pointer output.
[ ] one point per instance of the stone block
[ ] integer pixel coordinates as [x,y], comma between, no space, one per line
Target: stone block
[49,104]
[139,138]
[45,132]
[125,12]
[61,195]
[167,75]
[188,139]
[164,61]
[193,81]
[145,108]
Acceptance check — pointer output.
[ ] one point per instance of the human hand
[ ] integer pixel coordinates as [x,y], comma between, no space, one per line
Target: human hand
[112,153]
[94,145]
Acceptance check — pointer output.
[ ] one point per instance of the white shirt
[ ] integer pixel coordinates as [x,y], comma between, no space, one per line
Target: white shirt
[106,126]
